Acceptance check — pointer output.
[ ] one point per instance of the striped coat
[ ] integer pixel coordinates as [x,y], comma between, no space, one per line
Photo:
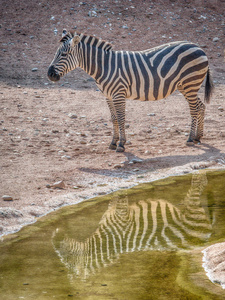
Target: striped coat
[145,225]
[151,74]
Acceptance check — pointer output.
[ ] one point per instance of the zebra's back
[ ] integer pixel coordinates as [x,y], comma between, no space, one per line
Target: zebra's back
[155,73]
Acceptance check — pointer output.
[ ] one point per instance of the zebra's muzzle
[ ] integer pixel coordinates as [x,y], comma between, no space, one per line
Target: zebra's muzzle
[52,74]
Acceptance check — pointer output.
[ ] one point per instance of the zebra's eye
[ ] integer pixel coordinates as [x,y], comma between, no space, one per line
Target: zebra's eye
[63,54]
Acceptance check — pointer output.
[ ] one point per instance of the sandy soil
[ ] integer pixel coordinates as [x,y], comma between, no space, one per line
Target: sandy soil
[61,132]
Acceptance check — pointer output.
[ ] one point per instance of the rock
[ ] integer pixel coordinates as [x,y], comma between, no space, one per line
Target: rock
[136,160]
[10,213]
[83,142]
[213,263]
[92,13]
[75,187]
[58,185]
[220,108]
[34,69]
[7,198]
[117,166]
[72,116]
[216,39]
[66,156]
[151,114]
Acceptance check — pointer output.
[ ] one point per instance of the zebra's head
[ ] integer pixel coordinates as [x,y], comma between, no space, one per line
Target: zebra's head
[66,57]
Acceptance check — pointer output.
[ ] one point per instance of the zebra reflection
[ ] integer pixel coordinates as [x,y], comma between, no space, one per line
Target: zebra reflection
[145,225]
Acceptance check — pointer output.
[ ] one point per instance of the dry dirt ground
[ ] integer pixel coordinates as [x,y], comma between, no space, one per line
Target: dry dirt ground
[61,132]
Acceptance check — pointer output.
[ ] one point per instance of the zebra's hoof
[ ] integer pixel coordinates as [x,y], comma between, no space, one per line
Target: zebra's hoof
[190,143]
[120,149]
[198,142]
[112,146]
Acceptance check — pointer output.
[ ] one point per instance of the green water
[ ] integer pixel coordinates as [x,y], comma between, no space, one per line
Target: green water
[142,243]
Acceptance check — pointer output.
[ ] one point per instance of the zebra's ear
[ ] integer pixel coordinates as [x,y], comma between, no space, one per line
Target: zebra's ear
[64,32]
[75,40]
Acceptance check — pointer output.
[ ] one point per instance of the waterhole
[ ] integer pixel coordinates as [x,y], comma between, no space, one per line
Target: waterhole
[141,243]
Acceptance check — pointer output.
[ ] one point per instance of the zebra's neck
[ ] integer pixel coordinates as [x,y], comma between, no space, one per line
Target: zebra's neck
[93,53]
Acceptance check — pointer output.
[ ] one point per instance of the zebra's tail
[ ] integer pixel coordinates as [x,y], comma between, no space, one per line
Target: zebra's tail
[209,86]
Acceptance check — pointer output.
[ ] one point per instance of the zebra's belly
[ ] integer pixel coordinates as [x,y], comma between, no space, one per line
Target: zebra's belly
[144,95]
[141,92]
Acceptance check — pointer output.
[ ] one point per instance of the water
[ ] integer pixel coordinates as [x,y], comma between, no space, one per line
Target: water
[142,243]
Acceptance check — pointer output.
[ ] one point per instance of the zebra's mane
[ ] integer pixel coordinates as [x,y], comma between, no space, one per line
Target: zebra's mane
[85,38]
[107,46]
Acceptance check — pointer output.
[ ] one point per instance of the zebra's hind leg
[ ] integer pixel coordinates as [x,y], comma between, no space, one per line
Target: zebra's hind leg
[197,110]
[115,139]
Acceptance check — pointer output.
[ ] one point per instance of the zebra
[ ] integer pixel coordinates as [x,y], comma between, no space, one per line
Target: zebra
[143,226]
[151,74]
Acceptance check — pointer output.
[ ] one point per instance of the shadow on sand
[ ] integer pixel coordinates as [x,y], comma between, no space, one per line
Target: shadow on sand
[129,167]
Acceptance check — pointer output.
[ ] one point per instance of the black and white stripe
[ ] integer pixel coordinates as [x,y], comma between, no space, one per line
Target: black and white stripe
[152,74]
[145,225]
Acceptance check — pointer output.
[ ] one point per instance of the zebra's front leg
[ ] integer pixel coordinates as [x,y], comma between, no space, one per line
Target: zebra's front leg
[115,139]
[197,110]
[119,104]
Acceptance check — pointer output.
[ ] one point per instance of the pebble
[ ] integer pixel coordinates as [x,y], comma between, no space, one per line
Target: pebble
[66,156]
[151,114]
[216,39]
[34,69]
[92,13]
[136,160]
[220,108]
[7,198]
[83,142]
[72,116]
[117,166]
[58,185]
